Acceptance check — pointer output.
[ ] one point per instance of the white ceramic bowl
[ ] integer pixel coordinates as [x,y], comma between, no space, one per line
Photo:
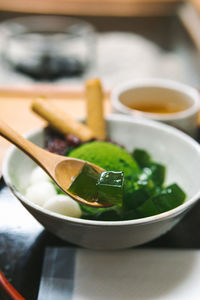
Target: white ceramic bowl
[179,152]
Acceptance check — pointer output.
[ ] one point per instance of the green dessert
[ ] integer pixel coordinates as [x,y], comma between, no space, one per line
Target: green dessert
[111,158]
[110,187]
[105,187]
[143,193]
[84,185]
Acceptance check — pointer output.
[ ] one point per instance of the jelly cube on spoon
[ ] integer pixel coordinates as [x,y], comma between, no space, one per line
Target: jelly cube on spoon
[110,187]
[84,185]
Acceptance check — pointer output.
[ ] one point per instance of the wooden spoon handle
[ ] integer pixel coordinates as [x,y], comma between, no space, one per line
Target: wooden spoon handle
[36,153]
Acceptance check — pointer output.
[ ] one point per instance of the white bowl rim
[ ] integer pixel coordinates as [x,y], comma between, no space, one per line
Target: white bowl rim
[159,83]
[142,221]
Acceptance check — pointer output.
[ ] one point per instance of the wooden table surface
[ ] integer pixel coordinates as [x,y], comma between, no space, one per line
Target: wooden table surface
[92,7]
[196,3]
[15,107]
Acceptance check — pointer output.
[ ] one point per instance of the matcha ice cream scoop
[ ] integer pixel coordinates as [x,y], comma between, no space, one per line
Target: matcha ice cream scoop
[109,157]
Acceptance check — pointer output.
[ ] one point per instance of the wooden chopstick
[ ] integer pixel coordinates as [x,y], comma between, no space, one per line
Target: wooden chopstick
[10,290]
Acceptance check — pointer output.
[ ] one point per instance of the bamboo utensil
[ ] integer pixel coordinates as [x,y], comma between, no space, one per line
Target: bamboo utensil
[61,169]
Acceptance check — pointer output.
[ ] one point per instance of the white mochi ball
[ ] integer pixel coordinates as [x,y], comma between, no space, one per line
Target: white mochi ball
[38,175]
[64,205]
[40,192]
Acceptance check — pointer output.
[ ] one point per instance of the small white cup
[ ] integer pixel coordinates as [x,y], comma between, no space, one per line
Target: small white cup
[155,91]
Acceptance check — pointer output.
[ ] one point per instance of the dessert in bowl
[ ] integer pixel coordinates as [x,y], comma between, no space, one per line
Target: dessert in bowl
[165,144]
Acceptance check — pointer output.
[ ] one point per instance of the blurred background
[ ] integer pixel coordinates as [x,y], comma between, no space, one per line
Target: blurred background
[67,41]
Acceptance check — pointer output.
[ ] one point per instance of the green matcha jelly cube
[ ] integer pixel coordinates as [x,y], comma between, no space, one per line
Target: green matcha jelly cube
[147,209]
[170,197]
[136,198]
[142,157]
[84,185]
[110,187]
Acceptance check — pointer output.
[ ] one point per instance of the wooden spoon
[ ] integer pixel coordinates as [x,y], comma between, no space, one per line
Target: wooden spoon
[61,169]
